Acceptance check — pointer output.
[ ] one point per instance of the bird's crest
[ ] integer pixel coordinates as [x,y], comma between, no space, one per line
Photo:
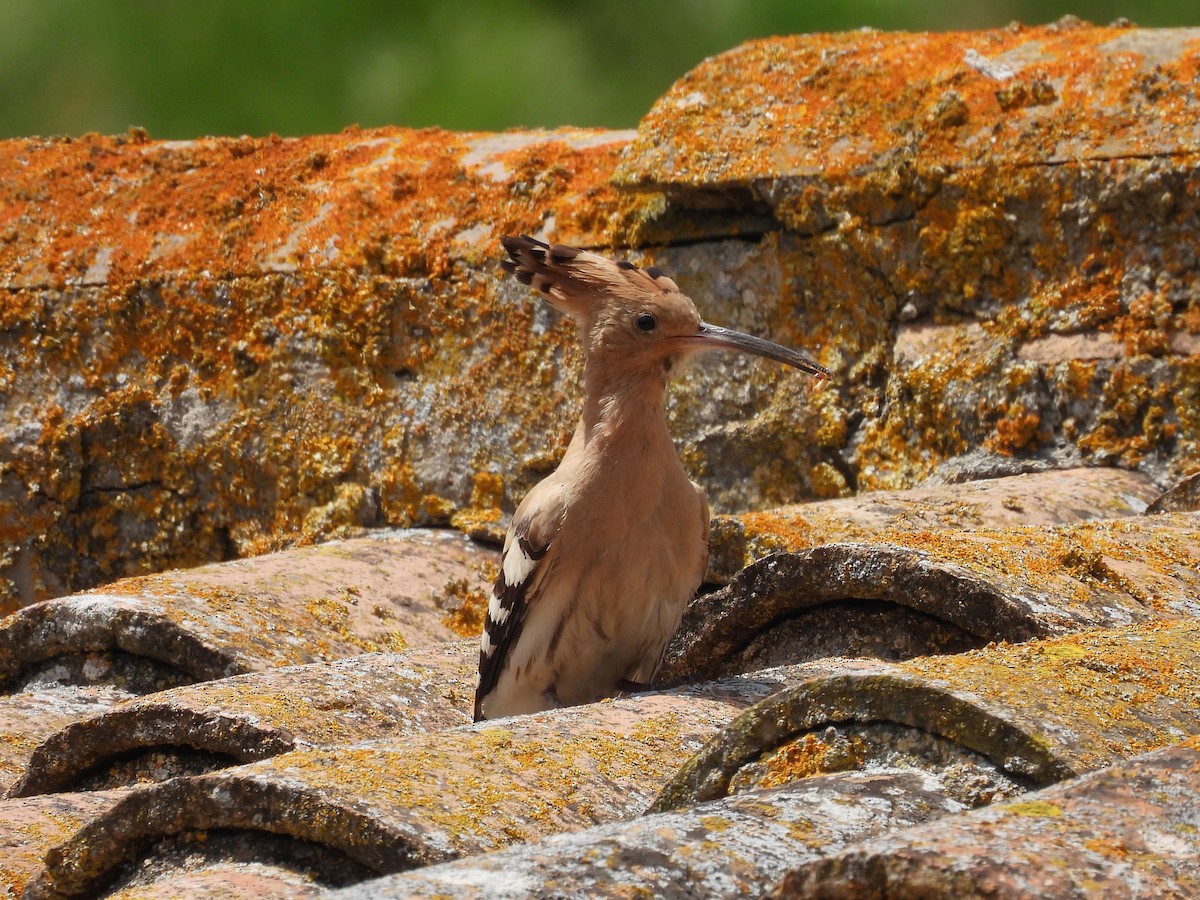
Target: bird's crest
[571,278]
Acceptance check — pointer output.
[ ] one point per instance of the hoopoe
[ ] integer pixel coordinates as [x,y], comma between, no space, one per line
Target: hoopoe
[603,555]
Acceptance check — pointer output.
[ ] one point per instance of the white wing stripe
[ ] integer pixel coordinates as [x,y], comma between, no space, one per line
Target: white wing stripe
[497,611]
[517,564]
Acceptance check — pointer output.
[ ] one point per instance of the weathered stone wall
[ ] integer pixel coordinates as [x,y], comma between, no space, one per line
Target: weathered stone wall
[213,348]
[996,234]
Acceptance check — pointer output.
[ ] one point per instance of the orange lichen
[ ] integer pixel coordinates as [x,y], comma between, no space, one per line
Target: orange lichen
[827,94]
[1014,430]
[1123,690]
[227,345]
[291,203]
[481,519]
[950,161]
[804,758]
[282,252]
[467,608]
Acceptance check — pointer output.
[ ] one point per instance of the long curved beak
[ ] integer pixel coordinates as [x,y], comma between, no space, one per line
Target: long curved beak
[714,337]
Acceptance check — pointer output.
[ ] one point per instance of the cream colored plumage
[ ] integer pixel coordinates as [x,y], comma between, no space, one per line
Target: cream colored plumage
[603,555]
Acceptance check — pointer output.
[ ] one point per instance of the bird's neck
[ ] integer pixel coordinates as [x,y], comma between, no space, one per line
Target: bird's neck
[628,410]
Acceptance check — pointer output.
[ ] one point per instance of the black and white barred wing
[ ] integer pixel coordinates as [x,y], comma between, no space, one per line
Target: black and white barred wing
[525,559]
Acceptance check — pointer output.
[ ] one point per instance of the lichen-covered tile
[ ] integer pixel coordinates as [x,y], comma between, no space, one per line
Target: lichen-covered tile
[1128,830]
[215,724]
[75,658]
[986,229]
[1007,717]
[735,847]
[393,804]
[30,828]
[909,592]
[273,363]
[1053,497]
[384,592]
[387,199]
[942,102]
[28,717]
[1181,497]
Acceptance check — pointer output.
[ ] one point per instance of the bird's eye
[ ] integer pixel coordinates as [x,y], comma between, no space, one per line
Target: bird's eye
[645,322]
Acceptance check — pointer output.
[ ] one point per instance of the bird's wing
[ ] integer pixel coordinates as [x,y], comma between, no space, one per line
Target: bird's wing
[528,550]
[573,277]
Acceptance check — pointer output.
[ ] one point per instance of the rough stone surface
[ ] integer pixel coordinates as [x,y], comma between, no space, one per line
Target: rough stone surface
[394,804]
[731,847]
[219,348]
[911,592]
[1041,711]
[219,723]
[991,192]
[213,348]
[1127,831]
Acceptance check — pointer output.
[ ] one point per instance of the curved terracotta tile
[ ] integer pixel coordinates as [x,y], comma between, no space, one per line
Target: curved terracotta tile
[1025,715]
[1055,497]
[828,105]
[78,657]
[912,592]
[338,599]
[395,804]
[31,828]
[221,723]
[26,718]
[1128,830]
[732,847]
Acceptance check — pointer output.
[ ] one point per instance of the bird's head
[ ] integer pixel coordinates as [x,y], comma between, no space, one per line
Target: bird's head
[631,320]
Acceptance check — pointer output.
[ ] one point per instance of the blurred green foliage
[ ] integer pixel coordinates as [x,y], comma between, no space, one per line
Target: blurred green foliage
[185,68]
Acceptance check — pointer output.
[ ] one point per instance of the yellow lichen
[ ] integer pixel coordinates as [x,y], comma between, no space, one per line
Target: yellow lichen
[1038,808]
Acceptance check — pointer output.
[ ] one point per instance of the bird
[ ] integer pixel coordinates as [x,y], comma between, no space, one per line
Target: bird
[602,556]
